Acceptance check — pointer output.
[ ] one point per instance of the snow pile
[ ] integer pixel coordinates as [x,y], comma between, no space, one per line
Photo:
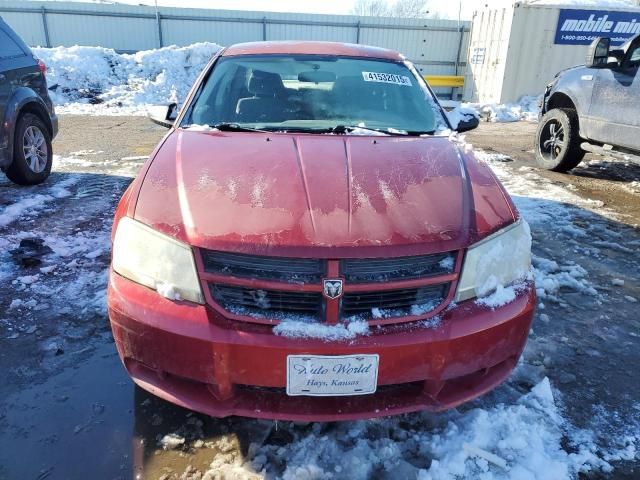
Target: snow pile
[527,108]
[301,329]
[502,295]
[171,441]
[168,291]
[524,438]
[551,277]
[99,80]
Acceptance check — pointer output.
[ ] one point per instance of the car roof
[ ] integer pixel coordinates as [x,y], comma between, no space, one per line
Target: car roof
[312,48]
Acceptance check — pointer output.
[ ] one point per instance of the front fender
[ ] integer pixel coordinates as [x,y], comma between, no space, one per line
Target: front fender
[21,97]
[573,84]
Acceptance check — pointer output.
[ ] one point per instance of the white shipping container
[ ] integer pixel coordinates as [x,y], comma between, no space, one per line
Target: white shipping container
[512,52]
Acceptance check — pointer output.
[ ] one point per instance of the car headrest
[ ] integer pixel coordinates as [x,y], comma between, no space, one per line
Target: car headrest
[265,84]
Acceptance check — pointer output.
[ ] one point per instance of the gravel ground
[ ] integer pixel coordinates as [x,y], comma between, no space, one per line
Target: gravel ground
[68,410]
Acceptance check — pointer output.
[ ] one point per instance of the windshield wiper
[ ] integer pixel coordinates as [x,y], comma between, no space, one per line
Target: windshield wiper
[297,129]
[417,133]
[342,129]
[234,127]
[338,129]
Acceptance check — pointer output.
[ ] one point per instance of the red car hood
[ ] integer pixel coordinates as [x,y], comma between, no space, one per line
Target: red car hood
[320,195]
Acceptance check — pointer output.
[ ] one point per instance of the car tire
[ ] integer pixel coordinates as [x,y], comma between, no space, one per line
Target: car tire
[557,143]
[32,152]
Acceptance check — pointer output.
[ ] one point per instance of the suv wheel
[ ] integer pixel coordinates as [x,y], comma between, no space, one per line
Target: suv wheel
[558,140]
[32,152]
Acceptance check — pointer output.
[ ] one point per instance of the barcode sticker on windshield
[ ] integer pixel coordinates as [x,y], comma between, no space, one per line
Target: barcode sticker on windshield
[386,78]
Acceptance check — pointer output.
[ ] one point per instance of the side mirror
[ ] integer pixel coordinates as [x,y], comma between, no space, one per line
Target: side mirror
[468,123]
[163,115]
[598,53]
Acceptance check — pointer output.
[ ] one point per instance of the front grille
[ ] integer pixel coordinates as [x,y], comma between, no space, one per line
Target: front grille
[260,288]
[261,303]
[394,303]
[372,270]
[280,269]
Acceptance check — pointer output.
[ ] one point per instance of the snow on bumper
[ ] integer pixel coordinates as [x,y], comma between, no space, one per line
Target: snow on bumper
[191,356]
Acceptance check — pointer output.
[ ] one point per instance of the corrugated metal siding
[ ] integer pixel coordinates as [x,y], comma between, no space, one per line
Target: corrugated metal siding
[431,44]
[185,32]
[28,26]
[490,31]
[89,30]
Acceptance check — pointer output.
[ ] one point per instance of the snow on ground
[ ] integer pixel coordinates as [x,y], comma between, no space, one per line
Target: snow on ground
[96,80]
[519,437]
[71,280]
[543,205]
[527,109]
[30,205]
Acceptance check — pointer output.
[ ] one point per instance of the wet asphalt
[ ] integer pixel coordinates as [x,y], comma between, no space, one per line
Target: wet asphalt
[68,410]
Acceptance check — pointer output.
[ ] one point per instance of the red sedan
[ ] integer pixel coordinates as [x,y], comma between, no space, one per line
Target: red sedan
[309,242]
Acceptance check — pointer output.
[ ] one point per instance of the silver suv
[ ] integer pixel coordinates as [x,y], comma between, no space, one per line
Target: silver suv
[592,108]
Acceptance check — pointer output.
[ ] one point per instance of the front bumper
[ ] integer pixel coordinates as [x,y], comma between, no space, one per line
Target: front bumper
[191,356]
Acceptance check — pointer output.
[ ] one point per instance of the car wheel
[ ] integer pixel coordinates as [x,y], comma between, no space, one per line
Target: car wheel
[558,140]
[32,152]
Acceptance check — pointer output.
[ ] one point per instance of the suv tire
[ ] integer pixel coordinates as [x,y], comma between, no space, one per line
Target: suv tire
[32,152]
[558,140]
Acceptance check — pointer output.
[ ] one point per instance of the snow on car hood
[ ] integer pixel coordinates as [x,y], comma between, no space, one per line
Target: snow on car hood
[320,194]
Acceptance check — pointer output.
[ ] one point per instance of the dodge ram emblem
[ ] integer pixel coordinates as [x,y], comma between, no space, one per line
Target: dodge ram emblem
[333,289]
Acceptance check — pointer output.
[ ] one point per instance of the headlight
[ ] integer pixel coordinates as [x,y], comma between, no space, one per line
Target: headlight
[155,260]
[499,259]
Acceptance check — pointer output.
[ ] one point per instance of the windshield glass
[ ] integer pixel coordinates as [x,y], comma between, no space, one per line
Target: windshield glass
[309,93]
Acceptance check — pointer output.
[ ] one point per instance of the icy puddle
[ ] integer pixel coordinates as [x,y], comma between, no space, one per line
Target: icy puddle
[129,434]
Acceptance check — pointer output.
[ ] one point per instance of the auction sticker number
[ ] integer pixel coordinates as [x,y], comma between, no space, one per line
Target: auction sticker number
[324,376]
[386,78]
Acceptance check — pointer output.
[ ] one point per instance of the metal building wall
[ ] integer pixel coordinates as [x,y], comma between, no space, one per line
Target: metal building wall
[433,45]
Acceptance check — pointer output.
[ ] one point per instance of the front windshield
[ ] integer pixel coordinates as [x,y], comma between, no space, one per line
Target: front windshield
[314,93]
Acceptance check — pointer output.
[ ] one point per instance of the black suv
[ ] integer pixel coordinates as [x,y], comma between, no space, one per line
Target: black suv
[592,108]
[27,119]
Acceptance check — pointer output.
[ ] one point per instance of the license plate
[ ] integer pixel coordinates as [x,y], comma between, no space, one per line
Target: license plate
[330,376]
